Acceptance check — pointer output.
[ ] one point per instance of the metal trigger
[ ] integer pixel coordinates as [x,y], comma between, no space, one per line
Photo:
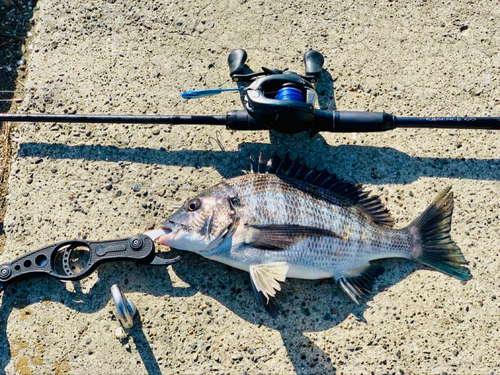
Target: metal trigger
[158,261]
[125,310]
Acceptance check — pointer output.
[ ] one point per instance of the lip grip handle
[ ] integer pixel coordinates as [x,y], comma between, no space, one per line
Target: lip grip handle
[55,260]
[236,61]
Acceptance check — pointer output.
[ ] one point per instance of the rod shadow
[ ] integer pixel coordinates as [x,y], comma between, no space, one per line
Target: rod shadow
[363,164]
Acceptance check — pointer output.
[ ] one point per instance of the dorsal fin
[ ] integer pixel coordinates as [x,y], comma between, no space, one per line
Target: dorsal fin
[326,180]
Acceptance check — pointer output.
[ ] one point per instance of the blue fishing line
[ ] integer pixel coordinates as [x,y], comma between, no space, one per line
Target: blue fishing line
[289,93]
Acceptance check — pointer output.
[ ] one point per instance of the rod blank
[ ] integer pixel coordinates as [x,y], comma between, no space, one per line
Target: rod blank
[113,119]
[338,121]
[449,122]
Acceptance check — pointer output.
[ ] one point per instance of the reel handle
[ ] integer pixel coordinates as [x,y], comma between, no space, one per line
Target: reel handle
[313,61]
[236,61]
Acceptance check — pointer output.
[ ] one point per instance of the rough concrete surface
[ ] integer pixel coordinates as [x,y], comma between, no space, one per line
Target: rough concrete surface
[426,57]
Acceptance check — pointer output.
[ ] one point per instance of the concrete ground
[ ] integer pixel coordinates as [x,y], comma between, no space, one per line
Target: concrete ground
[421,58]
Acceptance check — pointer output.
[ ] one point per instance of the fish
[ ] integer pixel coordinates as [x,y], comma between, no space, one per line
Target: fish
[284,220]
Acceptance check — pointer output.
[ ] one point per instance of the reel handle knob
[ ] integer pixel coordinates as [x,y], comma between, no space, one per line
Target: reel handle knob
[313,61]
[236,61]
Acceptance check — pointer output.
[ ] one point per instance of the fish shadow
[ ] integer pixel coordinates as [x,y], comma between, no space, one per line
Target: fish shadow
[309,306]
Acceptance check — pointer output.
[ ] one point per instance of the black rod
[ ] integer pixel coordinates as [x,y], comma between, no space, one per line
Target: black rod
[113,119]
[449,122]
[343,121]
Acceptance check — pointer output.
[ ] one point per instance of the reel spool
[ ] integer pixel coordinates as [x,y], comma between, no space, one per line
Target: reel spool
[283,102]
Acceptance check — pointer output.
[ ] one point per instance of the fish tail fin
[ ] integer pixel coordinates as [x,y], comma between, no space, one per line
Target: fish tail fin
[433,245]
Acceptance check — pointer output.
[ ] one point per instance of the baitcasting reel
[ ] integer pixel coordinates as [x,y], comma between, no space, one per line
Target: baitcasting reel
[284,100]
[281,98]
[278,100]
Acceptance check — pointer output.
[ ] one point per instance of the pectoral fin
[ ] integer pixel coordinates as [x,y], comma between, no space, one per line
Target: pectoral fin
[360,283]
[268,283]
[282,236]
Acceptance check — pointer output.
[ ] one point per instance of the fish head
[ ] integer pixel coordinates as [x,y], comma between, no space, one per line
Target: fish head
[202,223]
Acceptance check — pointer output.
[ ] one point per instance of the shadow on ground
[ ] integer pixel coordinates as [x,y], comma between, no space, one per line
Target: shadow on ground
[309,309]
[15,16]
[373,165]
[312,306]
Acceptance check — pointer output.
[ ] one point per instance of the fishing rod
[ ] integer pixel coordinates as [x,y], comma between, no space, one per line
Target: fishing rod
[280,100]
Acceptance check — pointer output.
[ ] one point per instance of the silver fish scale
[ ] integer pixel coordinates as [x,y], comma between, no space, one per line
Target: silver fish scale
[266,199]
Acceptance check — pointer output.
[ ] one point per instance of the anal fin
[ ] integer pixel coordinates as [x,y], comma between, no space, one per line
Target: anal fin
[360,284]
[268,283]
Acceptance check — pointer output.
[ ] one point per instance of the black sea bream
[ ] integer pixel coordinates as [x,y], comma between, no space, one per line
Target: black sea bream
[286,220]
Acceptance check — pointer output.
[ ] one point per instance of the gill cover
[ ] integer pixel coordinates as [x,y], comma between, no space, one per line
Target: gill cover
[202,223]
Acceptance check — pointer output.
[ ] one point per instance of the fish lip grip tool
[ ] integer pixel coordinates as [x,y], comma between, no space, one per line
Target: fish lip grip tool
[76,259]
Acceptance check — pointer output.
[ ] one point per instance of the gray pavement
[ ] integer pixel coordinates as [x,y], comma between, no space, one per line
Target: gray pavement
[425,58]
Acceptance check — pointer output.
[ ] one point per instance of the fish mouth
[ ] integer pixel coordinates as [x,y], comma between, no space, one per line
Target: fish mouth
[170,231]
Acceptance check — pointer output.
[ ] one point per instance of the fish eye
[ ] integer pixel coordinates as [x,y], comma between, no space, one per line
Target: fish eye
[194,204]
